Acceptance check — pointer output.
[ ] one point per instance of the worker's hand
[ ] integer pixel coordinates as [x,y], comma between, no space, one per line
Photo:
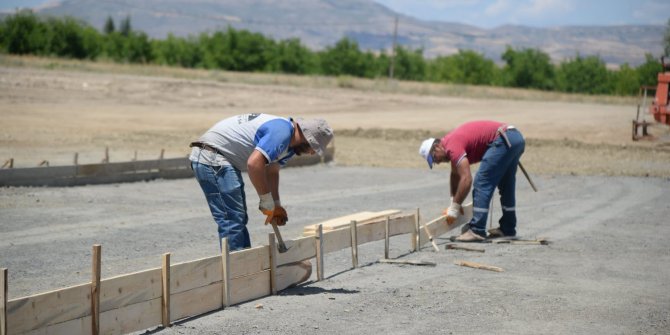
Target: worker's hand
[279,216]
[453,212]
[267,204]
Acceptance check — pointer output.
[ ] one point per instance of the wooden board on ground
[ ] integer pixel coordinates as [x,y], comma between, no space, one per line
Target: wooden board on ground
[344,221]
[440,226]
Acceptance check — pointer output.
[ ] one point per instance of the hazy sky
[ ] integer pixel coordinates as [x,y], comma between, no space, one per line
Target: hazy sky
[536,13]
[492,13]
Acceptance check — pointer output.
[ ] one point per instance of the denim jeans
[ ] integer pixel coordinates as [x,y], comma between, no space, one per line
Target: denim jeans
[497,168]
[224,190]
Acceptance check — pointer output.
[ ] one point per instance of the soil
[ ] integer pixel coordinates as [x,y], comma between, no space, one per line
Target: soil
[602,201]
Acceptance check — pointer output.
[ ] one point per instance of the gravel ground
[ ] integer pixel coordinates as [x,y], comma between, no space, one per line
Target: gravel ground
[605,271]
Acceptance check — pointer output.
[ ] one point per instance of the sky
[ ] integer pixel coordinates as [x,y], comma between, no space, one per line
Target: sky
[494,13]
[536,13]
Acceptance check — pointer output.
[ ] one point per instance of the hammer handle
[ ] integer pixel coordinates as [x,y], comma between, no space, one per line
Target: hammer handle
[280,241]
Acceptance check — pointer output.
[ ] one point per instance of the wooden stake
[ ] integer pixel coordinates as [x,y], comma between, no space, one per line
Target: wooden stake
[9,163]
[479,266]
[354,244]
[225,269]
[3,301]
[416,236]
[386,238]
[273,263]
[319,253]
[76,158]
[462,247]
[95,289]
[106,159]
[162,154]
[166,290]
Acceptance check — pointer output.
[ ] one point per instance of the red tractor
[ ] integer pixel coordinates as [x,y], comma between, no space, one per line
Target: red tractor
[658,107]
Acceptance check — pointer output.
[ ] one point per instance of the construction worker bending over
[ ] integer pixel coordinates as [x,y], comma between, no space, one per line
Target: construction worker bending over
[498,147]
[259,144]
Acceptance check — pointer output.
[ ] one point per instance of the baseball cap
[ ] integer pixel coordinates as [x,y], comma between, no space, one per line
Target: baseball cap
[425,150]
[317,132]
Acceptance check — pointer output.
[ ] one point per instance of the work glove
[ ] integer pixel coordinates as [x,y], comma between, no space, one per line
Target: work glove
[278,216]
[453,212]
[267,204]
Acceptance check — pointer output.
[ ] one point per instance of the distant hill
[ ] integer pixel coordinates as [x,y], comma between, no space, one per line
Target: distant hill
[320,23]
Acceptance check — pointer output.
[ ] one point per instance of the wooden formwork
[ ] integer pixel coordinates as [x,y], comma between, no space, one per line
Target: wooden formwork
[161,295]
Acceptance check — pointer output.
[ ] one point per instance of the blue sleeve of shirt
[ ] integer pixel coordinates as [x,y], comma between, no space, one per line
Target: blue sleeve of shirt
[272,139]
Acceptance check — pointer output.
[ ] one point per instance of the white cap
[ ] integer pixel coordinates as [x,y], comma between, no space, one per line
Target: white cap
[425,151]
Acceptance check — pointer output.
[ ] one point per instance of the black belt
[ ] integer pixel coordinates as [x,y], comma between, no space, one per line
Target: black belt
[206,147]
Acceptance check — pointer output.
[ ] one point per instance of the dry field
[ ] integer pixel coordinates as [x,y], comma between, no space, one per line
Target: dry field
[52,109]
[605,271]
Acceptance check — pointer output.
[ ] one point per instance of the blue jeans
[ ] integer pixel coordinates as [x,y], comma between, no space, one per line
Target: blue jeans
[497,168]
[224,190]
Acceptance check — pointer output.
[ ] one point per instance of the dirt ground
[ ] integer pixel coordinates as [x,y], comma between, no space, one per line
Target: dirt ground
[602,203]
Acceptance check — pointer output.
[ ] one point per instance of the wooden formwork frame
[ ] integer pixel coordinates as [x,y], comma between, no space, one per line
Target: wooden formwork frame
[159,296]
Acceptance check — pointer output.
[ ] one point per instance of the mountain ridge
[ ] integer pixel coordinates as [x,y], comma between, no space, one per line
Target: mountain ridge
[321,23]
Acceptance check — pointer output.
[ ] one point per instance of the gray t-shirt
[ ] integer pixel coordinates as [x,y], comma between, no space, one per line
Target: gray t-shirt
[238,136]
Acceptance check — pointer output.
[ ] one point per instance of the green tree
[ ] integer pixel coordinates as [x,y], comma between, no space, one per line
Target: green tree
[409,64]
[343,59]
[625,81]
[293,57]
[23,33]
[126,28]
[465,67]
[648,71]
[71,38]
[109,25]
[528,68]
[583,75]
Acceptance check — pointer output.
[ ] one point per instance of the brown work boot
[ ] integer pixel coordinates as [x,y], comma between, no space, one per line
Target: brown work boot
[470,236]
[498,233]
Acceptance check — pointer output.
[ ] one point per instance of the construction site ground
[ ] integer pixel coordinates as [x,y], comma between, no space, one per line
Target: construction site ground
[602,200]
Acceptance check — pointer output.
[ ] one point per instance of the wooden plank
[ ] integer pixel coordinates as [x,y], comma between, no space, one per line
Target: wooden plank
[193,274]
[344,221]
[335,240]
[249,287]
[195,302]
[165,284]
[95,289]
[463,247]
[79,326]
[130,289]
[407,262]
[319,253]
[3,301]
[131,318]
[249,261]
[299,249]
[479,266]
[293,274]
[44,309]
[439,226]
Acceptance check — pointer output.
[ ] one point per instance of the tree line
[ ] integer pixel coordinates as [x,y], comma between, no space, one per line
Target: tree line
[239,50]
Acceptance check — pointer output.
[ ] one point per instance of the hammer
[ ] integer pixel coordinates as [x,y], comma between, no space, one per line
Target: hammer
[280,242]
[509,145]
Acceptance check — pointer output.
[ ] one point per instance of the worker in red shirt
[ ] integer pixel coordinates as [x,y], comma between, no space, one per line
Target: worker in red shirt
[498,147]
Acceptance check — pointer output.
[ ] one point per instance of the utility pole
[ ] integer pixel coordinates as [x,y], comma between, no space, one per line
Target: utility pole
[395,36]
